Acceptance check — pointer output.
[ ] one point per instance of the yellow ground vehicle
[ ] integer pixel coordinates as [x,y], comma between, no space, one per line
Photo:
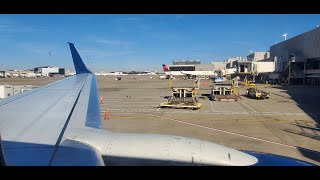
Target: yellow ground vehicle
[258,93]
[247,83]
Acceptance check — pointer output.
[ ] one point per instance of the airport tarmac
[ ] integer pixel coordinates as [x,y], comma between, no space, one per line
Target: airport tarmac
[287,124]
[277,125]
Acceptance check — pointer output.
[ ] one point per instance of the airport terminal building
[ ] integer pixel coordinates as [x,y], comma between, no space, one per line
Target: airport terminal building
[195,65]
[297,60]
[292,62]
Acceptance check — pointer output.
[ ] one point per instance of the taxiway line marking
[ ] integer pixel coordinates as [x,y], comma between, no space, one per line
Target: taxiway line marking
[212,106]
[248,106]
[236,134]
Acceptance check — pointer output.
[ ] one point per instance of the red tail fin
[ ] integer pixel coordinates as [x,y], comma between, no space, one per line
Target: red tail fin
[165,68]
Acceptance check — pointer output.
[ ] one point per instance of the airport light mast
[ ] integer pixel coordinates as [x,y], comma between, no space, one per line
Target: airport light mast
[285,36]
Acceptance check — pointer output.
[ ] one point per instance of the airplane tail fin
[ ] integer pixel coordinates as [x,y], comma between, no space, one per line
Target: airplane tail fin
[79,65]
[165,68]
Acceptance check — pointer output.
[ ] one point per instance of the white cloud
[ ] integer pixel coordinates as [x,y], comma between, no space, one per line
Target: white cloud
[10,26]
[243,43]
[133,19]
[6,21]
[107,41]
[180,16]
[41,49]
[97,54]
[111,42]
[130,19]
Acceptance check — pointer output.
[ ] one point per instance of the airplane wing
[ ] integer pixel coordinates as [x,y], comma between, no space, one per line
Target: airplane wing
[33,124]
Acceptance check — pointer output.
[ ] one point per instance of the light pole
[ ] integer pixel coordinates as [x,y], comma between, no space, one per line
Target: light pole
[285,36]
[289,72]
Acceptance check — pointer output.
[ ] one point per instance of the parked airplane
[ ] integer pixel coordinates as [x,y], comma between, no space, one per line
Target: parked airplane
[59,124]
[187,73]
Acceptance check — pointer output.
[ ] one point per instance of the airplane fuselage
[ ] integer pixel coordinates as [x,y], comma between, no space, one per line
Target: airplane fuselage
[190,73]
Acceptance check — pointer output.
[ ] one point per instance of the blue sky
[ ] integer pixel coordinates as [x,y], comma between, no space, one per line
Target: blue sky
[140,42]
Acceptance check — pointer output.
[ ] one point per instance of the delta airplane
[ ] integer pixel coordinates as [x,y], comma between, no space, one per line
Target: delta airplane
[59,125]
[187,73]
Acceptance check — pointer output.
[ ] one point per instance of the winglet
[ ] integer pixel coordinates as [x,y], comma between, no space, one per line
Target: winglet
[79,65]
